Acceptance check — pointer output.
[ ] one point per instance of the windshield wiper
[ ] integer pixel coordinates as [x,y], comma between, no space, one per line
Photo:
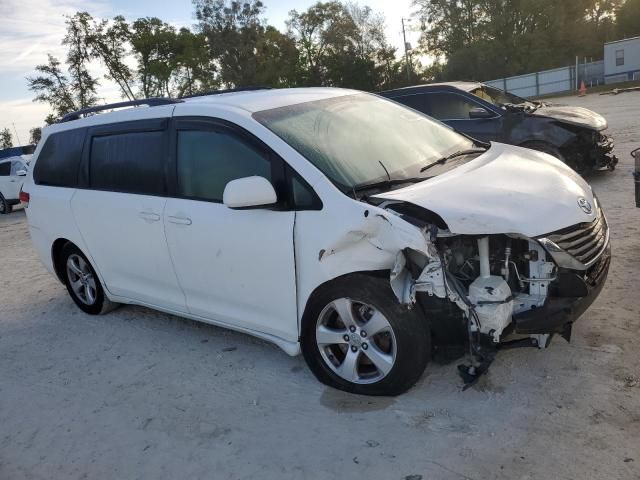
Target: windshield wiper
[444,160]
[386,183]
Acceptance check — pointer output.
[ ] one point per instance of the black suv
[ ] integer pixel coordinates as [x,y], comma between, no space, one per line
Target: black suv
[572,134]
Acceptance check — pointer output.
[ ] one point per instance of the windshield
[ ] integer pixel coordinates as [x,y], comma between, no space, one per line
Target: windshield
[362,139]
[497,96]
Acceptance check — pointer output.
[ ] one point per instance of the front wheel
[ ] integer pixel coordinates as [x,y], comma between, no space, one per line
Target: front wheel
[358,338]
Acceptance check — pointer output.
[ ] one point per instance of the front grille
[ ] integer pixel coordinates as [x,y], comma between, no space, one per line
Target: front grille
[585,241]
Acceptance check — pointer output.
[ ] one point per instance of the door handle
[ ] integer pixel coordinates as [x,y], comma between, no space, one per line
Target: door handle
[149,216]
[179,220]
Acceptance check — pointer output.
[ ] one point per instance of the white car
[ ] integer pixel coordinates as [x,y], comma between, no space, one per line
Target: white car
[327,221]
[13,170]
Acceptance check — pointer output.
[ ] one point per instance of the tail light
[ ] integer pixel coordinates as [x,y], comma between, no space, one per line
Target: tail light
[24,198]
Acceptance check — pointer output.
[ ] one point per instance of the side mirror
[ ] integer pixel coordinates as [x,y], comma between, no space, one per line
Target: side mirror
[21,173]
[479,112]
[249,192]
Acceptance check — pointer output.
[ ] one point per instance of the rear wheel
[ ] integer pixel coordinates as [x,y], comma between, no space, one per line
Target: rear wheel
[5,207]
[358,338]
[83,283]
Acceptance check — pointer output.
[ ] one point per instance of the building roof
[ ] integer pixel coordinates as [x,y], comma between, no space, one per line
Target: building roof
[623,40]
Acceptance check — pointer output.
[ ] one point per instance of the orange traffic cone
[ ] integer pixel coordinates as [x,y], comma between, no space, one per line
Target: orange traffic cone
[583,89]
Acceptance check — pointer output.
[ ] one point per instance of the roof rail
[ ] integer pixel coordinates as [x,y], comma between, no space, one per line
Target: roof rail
[228,90]
[151,102]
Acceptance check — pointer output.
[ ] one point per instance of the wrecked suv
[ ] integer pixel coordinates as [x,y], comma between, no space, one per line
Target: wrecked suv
[572,134]
[327,221]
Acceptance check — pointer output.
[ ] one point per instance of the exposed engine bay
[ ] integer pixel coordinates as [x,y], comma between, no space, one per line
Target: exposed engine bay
[488,278]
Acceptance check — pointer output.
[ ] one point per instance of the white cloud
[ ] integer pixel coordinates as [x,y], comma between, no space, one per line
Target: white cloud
[24,114]
[31,29]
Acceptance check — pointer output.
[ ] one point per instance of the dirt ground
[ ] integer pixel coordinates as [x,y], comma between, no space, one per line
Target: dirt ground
[140,394]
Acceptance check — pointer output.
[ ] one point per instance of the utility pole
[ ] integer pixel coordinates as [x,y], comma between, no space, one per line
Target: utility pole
[16,130]
[406,52]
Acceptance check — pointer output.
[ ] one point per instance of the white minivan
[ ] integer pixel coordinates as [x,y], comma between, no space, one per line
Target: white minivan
[331,222]
[13,169]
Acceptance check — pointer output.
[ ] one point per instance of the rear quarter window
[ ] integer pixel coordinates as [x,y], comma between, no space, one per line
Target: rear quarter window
[59,159]
[129,162]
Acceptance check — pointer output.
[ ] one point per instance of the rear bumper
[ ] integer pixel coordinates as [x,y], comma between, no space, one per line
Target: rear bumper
[561,310]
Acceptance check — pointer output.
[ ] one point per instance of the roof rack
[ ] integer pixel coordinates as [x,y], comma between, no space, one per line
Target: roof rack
[151,102]
[228,90]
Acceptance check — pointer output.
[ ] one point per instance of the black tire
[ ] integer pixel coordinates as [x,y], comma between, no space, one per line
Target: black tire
[5,207]
[410,329]
[101,303]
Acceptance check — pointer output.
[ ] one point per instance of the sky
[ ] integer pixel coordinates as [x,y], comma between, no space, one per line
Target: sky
[31,29]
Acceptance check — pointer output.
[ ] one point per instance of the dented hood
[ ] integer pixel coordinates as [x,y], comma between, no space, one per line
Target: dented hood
[582,117]
[505,190]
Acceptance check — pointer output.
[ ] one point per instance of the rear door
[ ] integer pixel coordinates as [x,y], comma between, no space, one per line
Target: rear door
[119,208]
[235,266]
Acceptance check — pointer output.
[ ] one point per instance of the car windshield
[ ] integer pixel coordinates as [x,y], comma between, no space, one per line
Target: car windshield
[362,139]
[497,96]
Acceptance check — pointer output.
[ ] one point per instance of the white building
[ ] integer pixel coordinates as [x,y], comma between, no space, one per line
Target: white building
[622,60]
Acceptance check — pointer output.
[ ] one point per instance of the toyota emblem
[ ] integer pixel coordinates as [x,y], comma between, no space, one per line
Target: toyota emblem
[584,204]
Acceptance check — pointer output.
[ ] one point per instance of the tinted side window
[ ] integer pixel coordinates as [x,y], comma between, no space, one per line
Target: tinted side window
[129,162]
[5,169]
[59,159]
[419,102]
[209,159]
[450,106]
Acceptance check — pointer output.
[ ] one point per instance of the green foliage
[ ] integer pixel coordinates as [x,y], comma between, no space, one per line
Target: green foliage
[484,39]
[34,135]
[5,139]
[628,19]
[247,50]
[329,44]
[52,86]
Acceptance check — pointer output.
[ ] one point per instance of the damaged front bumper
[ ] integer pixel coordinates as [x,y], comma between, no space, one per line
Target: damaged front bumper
[574,293]
[602,156]
[590,151]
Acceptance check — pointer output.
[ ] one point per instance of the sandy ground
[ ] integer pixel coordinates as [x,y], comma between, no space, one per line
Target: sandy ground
[139,394]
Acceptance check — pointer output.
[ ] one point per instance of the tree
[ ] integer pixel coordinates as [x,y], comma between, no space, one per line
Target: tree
[319,31]
[628,19]
[246,50]
[78,40]
[5,139]
[108,43]
[342,45]
[154,47]
[485,39]
[196,69]
[53,87]
[34,135]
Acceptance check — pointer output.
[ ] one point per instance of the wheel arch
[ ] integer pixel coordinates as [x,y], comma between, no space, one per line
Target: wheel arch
[341,278]
[56,257]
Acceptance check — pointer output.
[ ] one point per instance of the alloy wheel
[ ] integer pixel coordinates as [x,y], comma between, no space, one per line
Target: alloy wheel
[81,279]
[356,341]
